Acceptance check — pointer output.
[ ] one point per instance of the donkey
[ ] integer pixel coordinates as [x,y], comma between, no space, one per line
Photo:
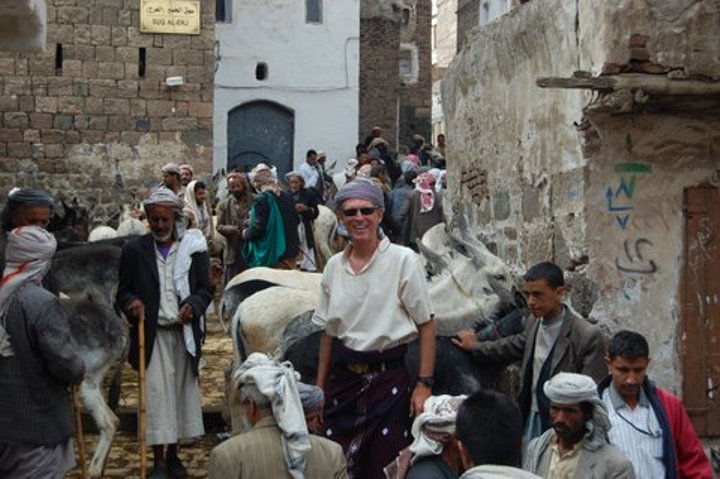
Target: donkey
[101,337]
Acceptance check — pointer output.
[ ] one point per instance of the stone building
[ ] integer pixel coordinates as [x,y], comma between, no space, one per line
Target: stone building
[287,81]
[471,13]
[93,115]
[395,35]
[23,25]
[444,46]
[616,179]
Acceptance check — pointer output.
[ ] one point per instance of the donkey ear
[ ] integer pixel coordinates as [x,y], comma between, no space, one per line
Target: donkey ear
[74,202]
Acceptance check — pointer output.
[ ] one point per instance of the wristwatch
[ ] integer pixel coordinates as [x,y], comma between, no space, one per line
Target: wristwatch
[426,381]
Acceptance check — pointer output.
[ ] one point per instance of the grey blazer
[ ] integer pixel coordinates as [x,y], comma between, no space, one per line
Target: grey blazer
[605,463]
[579,348]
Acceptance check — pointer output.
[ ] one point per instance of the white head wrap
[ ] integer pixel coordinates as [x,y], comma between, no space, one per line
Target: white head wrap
[162,196]
[28,256]
[572,388]
[278,382]
[193,208]
[432,428]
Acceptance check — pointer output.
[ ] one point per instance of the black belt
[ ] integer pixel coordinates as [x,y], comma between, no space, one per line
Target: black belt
[376,367]
[170,327]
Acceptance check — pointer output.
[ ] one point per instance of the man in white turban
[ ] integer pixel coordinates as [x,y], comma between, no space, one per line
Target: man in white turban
[279,444]
[164,278]
[37,363]
[577,445]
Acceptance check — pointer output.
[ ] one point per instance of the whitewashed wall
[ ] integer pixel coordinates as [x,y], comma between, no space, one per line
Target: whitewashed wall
[312,70]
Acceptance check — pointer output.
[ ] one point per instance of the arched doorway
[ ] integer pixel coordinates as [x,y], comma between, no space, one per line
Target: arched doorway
[260,131]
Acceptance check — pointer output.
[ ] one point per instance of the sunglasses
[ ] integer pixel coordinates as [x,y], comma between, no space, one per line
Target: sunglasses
[363,211]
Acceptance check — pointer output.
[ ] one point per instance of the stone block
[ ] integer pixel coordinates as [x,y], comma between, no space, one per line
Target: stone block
[84,52]
[72,68]
[31,136]
[150,89]
[142,124]
[537,242]
[200,109]
[55,150]
[501,205]
[160,107]
[110,15]
[198,74]
[25,86]
[104,54]
[181,108]
[197,137]
[57,33]
[41,121]
[159,56]
[72,137]
[179,124]
[531,202]
[157,72]
[71,15]
[7,66]
[205,124]
[639,54]
[127,89]
[137,39]
[92,136]
[22,67]
[91,122]
[121,123]
[63,122]
[114,71]
[9,103]
[180,42]
[71,104]
[19,149]
[10,135]
[102,88]
[41,68]
[27,104]
[187,92]
[59,86]
[584,293]
[116,106]
[125,19]
[82,35]
[100,34]
[52,136]
[94,105]
[138,107]
[90,69]
[46,104]
[127,54]
[131,137]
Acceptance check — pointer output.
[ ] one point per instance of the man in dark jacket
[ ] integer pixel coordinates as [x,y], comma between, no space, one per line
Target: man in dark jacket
[164,277]
[555,339]
[646,419]
[37,363]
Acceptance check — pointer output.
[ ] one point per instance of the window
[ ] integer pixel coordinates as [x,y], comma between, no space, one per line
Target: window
[223,11]
[261,71]
[313,11]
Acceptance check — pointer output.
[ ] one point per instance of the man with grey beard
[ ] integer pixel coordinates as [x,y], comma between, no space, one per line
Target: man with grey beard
[164,277]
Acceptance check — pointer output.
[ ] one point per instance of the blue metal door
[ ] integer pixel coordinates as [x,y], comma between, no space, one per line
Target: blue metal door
[261,131]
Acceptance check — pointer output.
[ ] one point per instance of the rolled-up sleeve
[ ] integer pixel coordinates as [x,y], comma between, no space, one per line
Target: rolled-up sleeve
[413,291]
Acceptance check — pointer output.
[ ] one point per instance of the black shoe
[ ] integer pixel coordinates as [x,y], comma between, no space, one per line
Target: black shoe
[175,468]
[158,472]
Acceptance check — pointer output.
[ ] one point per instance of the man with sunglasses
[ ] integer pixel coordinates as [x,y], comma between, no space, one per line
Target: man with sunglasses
[649,424]
[373,302]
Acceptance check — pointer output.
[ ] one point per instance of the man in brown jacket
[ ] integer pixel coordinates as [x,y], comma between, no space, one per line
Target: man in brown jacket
[555,339]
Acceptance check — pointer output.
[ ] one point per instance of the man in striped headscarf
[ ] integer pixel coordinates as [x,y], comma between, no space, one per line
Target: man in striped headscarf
[164,276]
[37,363]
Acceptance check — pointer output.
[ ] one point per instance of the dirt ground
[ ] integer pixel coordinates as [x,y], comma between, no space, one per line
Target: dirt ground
[123,460]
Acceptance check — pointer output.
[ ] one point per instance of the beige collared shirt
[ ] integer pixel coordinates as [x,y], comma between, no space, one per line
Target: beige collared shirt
[379,307]
[563,466]
[169,304]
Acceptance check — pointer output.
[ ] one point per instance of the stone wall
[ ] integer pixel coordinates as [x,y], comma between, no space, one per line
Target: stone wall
[416,96]
[534,166]
[83,119]
[468,15]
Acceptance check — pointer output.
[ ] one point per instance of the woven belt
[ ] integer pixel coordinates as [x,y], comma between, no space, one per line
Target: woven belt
[376,367]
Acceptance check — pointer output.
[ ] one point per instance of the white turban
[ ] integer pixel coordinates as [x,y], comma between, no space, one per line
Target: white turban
[162,196]
[432,428]
[28,254]
[572,388]
[278,382]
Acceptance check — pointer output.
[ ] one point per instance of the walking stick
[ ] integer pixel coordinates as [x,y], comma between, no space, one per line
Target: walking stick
[141,394]
[77,407]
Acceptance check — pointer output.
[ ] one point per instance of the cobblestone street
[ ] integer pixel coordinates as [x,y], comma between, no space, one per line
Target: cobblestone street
[123,460]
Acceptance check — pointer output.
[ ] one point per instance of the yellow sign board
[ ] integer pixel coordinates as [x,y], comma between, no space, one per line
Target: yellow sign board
[170,16]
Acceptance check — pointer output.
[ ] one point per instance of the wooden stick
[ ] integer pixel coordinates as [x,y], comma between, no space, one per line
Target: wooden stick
[141,395]
[79,437]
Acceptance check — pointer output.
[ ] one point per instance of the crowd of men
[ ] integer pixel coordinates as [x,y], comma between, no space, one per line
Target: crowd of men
[583,410]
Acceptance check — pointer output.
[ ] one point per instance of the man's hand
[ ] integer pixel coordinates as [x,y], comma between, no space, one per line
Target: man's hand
[465,339]
[299,207]
[135,309]
[417,400]
[186,313]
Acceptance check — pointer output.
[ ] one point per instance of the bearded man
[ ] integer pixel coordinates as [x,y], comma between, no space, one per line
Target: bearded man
[164,277]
